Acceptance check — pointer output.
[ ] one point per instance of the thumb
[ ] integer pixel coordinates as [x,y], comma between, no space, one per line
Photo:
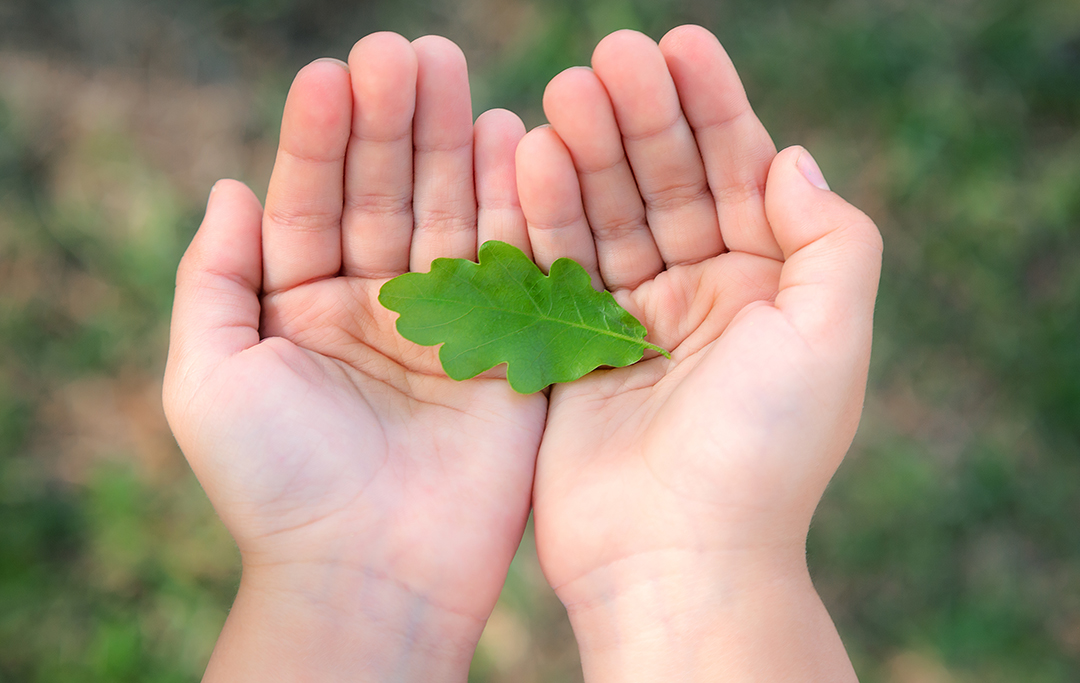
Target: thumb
[832,255]
[216,308]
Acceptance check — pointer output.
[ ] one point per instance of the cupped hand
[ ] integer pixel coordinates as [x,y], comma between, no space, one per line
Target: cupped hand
[346,465]
[657,175]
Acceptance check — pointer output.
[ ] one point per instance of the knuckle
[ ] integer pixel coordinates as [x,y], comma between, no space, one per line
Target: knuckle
[381,204]
[677,195]
[444,221]
[619,227]
[740,192]
[295,220]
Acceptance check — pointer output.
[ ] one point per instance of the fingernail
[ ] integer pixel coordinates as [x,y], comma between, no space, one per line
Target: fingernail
[811,171]
[340,63]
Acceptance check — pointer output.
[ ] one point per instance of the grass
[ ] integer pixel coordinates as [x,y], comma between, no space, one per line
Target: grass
[947,545]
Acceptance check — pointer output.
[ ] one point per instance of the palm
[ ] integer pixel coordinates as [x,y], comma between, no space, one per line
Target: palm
[338,401]
[724,384]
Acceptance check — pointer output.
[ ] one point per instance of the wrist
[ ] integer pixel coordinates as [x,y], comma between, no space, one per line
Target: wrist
[327,623]
[677,615]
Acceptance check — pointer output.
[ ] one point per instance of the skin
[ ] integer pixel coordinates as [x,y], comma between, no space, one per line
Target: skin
[377,504]
[673,498]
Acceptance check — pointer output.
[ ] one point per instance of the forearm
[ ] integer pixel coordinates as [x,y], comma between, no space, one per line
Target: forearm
[290,624]
[750,621]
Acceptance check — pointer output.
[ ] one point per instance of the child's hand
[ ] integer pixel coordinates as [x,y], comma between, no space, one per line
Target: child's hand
[673,498]
[376,503]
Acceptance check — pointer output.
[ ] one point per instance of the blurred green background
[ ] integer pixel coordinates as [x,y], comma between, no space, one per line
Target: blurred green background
[947,549]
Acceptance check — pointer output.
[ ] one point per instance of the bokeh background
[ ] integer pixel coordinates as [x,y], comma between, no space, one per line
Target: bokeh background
[948,547]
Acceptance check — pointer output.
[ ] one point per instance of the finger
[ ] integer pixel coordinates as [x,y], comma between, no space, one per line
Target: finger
[579,110]
[496,136]
[551,201]
[832,254]
[377,222]
[444,203]
[661,147]
[302,221]
[734,145]
[216,308]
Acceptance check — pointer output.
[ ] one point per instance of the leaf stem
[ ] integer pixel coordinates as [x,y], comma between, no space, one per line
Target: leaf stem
[659,349]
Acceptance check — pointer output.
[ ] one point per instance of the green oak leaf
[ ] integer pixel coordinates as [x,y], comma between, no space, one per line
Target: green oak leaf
[546,328]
